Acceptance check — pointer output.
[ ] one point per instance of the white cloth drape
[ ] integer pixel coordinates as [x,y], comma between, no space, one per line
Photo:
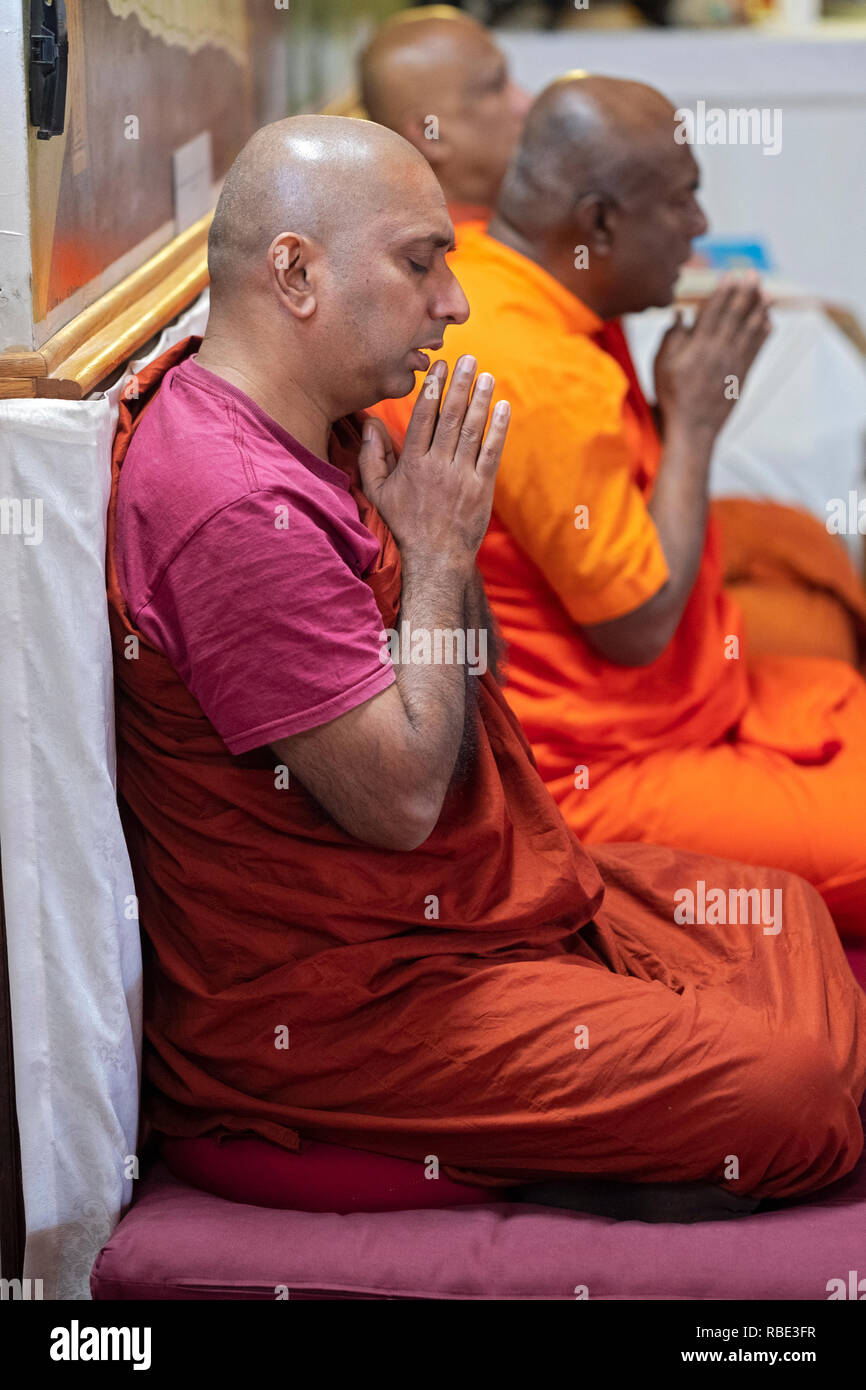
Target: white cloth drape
[796,434]
[73,944]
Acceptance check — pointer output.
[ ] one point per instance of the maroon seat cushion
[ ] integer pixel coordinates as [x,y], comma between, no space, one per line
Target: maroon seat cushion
[179,1243]
[322,1177]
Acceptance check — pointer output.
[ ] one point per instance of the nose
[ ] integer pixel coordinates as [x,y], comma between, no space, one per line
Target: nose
[701,222]
[451,306]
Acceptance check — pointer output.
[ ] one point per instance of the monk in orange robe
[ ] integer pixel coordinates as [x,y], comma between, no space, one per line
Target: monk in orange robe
[627,660]
[437,77]
[367,922]
[797,590]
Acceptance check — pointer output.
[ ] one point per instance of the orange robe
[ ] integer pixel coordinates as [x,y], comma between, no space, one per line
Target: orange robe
[794,582]
[797,590]
[550,1017]
[763,762]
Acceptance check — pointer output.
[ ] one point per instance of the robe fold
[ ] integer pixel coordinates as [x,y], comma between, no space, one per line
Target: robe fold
[762,761]
[549,1016]
[792,580]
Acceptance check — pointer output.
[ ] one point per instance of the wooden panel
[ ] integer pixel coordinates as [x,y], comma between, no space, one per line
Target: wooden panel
[135,288]
[113,343]
[102,337]
[22,364]
[11,390]
[135,95]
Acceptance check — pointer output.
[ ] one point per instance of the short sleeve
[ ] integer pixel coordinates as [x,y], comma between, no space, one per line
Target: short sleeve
[273,630]
[567,493]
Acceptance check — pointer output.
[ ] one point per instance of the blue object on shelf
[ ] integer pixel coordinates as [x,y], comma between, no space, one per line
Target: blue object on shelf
[731,253]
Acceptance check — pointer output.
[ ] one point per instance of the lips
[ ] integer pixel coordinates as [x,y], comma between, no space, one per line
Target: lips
[421,361]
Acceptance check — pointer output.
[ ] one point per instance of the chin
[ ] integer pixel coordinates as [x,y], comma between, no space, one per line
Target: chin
[402,383]
[665,296]
[390,386]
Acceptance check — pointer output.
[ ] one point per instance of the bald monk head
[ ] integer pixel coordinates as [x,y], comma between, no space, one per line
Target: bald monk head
[436,76]
[598,168]
[328,273]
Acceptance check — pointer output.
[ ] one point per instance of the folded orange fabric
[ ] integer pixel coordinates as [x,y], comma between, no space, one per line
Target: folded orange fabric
[799,592]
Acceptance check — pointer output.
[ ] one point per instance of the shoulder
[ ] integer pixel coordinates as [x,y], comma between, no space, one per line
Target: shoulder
[205,479]
[562,387]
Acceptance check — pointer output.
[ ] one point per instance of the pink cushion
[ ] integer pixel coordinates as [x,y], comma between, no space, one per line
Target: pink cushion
[322,1177]
[178,1243]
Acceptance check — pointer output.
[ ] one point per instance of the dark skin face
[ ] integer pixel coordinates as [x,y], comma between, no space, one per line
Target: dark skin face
[638,212]
[650,232]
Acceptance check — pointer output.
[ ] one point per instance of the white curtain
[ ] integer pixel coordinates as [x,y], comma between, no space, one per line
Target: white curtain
[73,944]
[796,435]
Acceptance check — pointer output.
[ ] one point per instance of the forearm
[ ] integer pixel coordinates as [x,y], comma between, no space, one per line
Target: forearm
[679,507]
[433,604]
[692,370]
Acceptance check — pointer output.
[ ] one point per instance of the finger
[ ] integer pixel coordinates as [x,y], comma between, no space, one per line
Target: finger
[387,442]
[494,443]
[454,407]
[758,322]
[711,312]
[674,326]
[674,331]
[425,410]
[748,340]
[745,297]
[372,459]
[475,422]
[756,330]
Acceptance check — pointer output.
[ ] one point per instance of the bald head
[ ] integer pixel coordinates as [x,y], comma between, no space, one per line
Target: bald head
[329,276]
[436,76]
[409,57]
[321,177]
[582,135]
[601,194]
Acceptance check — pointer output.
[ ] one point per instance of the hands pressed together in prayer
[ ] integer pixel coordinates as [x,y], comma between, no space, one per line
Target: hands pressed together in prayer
[695,365]
[699,373]
[437,499]
[383,769]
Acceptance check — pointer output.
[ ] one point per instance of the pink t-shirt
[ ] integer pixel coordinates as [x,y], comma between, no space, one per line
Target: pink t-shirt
[240,556]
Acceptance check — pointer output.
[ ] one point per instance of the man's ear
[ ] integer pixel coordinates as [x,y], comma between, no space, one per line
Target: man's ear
[596,218]
[290,260]
[425,133]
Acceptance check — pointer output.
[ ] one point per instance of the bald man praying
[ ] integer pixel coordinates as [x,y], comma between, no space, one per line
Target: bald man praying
[367,923]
